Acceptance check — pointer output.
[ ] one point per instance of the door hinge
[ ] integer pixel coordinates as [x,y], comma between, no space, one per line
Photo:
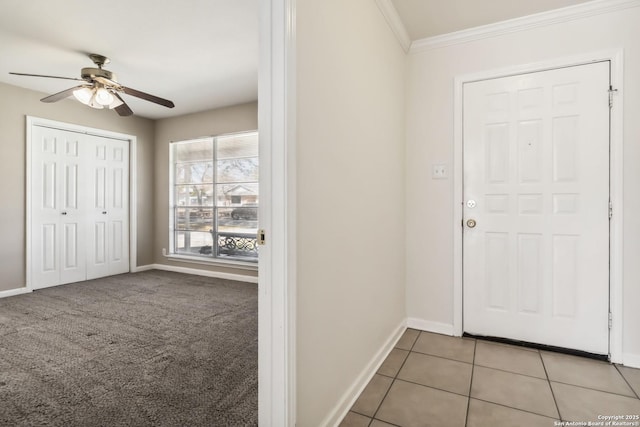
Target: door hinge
[261,237]
[610,209]
[611,92]
[610,320]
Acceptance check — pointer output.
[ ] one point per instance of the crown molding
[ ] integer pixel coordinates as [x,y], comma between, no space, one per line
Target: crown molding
[393,19]
[565,14]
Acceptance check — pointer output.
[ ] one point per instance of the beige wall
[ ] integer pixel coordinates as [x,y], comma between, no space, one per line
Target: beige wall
[209,123]
[430,140]
[17,103]
[350,197]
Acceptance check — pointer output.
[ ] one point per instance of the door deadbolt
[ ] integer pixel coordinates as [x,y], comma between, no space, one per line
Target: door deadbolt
[471,204]
[471,223]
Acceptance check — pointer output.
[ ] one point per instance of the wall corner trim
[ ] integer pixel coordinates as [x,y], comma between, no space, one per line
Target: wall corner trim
[197,272]
[353,392]
[397,26]
[430,326]
[557,16]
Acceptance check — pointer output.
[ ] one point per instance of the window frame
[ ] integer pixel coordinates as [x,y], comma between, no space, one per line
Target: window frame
[240,262]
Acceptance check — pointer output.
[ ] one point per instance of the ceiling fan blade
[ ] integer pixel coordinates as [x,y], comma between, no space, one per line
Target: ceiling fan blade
[61,95]
[122,109]
[148,97]
[42,75]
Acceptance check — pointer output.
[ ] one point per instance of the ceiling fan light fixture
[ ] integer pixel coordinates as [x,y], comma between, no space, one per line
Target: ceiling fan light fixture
[95,104]
[103,97]
[83,95]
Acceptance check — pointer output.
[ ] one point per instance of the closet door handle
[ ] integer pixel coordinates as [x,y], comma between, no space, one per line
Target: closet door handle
[63,213]
[104,212]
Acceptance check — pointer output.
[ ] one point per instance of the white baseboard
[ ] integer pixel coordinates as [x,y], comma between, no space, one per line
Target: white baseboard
[14,292]
[353,392]
[141,268]
[631,360]
[198,272]
[430,326]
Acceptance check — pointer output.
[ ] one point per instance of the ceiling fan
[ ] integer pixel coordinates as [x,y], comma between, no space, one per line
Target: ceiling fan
[100,89]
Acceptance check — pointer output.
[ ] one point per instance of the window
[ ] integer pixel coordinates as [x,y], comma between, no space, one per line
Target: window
[214,197]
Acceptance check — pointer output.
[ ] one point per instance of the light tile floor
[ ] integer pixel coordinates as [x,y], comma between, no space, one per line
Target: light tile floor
[435,380]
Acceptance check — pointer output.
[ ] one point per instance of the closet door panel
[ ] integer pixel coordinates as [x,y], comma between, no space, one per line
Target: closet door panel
[109,207]
[57,211]
[118,202]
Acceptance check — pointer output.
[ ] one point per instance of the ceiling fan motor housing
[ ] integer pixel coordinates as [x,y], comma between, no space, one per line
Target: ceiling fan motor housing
[91,73]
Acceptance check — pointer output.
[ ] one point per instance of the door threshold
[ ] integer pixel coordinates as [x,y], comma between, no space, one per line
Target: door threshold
[550,348]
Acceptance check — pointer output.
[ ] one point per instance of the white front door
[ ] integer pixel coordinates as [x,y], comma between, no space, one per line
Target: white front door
[536,207]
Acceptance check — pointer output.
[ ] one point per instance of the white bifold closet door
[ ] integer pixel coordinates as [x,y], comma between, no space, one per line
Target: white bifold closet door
[79,207]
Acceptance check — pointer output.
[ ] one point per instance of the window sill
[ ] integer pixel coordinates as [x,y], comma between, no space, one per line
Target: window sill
[240,265]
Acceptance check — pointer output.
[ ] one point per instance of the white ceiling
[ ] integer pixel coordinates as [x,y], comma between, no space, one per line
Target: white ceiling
[427,18]
[201,54]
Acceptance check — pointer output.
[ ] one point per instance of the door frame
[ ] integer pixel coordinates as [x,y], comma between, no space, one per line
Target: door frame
[133,197]
[615,56]
[277,212]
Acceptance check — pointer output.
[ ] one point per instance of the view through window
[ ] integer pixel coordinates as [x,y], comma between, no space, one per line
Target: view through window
[215,197]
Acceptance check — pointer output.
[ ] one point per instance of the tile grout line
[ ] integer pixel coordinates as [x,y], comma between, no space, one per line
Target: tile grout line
[395,377]
[512,408]
[625,380]
[598,390]
[517,373]
[431,387]
[555,401]
[441,357]
[386,422]
[511,372]
[473,367]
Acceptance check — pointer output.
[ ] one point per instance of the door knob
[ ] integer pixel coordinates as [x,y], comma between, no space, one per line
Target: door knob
[471,223]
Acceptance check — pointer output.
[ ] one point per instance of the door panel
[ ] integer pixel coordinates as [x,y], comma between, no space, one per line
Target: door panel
[57,213]
[45,213]
[98,262]
[536,162]
[47,249]
[118,202]
[100,243]
[109,210]
[72,253]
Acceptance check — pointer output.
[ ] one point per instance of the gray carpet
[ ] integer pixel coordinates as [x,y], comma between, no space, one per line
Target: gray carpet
[145,349]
